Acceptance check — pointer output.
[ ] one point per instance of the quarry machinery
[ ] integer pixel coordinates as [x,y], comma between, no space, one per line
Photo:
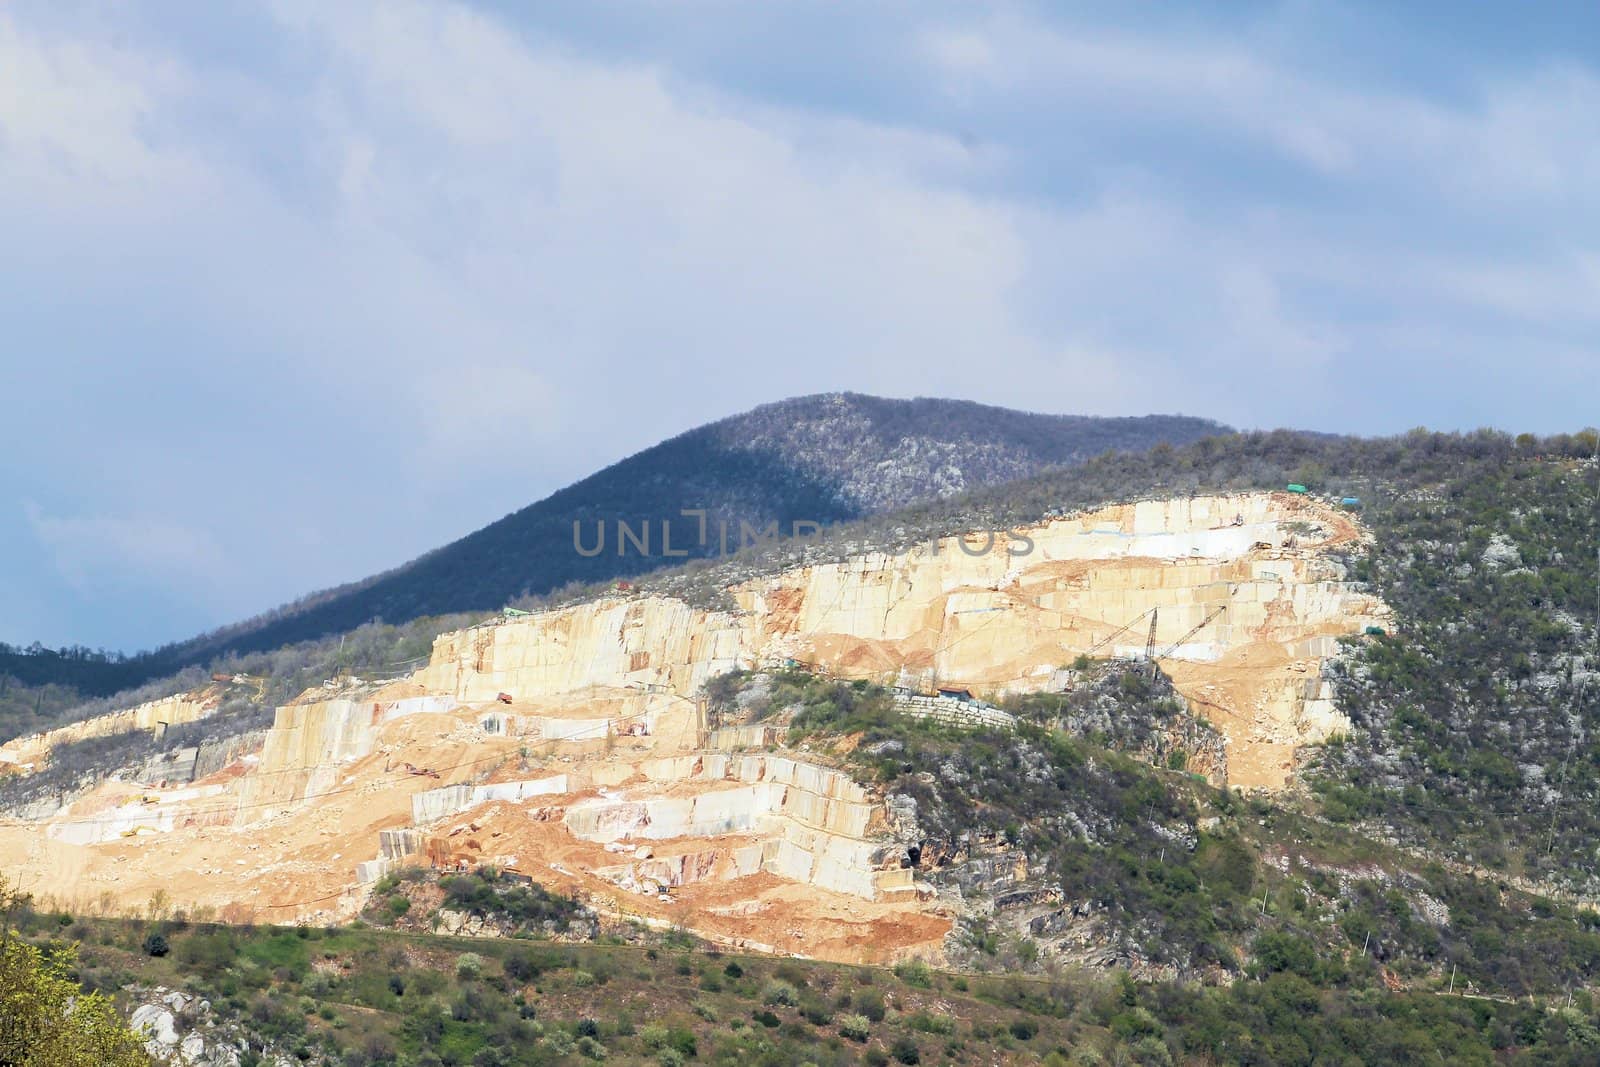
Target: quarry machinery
[1150,642]
[1118,632]
[1207,621]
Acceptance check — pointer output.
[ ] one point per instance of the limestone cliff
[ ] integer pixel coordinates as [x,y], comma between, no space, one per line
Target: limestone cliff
[26,753]
[571,745]
[1245,603]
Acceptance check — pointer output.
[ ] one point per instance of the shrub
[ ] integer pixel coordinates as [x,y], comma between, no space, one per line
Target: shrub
[792,973]
[682,1041]
[855,1028]
[469,965]
[778,993]
[733,970]
[521,966]
[155,944]
[905,1050]
[914,973]
[559,1042]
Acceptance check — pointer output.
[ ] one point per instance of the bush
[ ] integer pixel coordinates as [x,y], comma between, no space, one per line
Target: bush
[155,944]
[521,966]
[905,1050]
[778,993]
[914,973]
[855,1028]
[469,965]
[733,970]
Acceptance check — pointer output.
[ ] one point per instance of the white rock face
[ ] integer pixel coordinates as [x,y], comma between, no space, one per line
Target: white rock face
[179,1031]
[1501,553]
[1238,586]
[36,748]
[155,1022]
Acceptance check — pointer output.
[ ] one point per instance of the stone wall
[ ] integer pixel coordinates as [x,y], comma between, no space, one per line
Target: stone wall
[951,711]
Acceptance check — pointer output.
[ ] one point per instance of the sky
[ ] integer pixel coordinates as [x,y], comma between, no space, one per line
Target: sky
[292,292]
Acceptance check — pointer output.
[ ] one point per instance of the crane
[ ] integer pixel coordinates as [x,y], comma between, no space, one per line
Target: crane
[1114,634]
[1150,642]
[1170,649]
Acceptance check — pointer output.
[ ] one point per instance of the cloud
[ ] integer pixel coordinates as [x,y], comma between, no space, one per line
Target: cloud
[143,551]
[393,270]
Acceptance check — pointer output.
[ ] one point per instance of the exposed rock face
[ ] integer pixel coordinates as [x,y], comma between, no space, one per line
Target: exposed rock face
[811,823]
[26,753]
[1245,607]
[609,642]
[180,1031]
[571,746]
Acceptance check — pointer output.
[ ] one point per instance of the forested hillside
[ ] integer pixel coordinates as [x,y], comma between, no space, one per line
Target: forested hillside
[811,460]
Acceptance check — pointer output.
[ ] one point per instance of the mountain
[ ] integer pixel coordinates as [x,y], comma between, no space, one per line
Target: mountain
[1321,823]
[817,459]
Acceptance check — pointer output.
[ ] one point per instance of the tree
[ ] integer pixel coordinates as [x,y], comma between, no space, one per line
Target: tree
[46,1019]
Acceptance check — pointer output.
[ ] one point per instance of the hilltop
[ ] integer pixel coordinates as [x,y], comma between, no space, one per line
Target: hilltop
[820,460]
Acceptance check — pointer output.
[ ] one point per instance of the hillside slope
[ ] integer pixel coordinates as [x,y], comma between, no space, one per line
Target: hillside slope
[1439,838]
[819,459]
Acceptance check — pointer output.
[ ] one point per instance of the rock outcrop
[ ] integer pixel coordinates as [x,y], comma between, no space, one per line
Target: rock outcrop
[24,754]
[571,746]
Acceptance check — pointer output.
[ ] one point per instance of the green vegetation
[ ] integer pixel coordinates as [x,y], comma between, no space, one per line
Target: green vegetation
[413,897]
[360,997]
[46,1018]
[1159,868]
[1477,719]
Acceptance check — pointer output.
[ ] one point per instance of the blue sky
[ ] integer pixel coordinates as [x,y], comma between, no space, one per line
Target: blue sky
[295,291]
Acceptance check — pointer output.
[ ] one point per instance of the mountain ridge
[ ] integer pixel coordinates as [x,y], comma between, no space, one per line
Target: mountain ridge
[820,459]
